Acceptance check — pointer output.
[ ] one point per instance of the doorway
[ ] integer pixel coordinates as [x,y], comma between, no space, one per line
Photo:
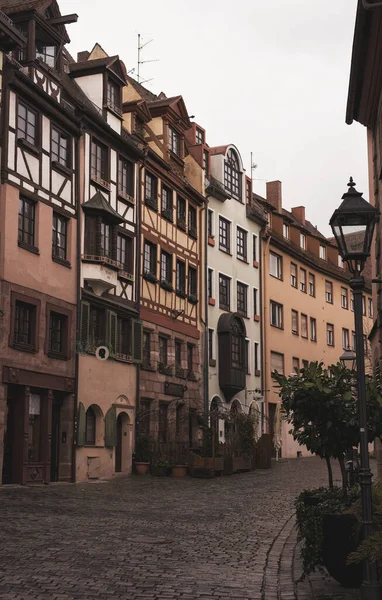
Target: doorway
[8,444]
[122,447]
[271,421]
[55,442]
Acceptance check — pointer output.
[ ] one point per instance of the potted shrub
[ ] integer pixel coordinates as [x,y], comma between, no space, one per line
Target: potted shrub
[161,467]
[142,454]
[179,470]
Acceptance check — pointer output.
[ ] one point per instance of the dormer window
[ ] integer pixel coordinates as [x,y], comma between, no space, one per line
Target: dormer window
[199,136]
[303,241]
[286,231]
[47,54]
[232,175]
[322,252]
[174,141]
[113,96]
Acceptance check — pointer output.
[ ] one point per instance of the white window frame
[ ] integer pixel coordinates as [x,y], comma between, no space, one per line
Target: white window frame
[345,338]
[211,210]
[238,256]
[322,252]
[286,231]
[303,241]
[330,333]
[345,304]
[279,324]
[230,253]
[279,262]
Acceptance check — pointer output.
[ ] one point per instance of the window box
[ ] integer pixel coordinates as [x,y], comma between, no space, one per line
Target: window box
[257,373]
[212,362]
[126,197]
[211,301]
[165,369]
[28,247]
[193,232]
[152,202]
[211,241]
[181,293]
[167,214]
[166,285]
[192,298]
[149,276]
[256,318]
[181,223]
[101,182]
[256,264]
[127,276]
[191,376]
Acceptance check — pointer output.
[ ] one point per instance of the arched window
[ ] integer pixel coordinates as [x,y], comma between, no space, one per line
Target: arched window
[90,428]
[232,175]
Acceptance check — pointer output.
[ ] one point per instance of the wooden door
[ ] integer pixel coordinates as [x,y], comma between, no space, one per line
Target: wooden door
[118,448]
[55,442]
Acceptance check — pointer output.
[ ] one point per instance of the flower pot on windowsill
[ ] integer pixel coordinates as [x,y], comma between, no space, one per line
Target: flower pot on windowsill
[256,318]
[192,298]
[256,264]
[179,470]
[211,301]
[142,467]
[181,293]
[211,241]
[150,277]
[166,285]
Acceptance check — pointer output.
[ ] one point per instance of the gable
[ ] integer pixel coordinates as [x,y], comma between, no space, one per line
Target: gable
[97,52]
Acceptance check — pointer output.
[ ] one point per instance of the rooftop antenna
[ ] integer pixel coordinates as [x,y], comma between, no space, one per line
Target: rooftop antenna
[253,167]
[142,62]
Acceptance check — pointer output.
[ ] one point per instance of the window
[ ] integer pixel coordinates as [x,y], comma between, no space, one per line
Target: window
[47,54]
[60,147]
[293,275]
[340,262]
[124,337]
[178,355]
[286,231]
[199,135]
[97,323]
[241,244]
[180,277]
[125,177]
[224,235]
[295,322]
[296,364]
[255,301]
[210,223]
[105,249]
[27,124]
[322,252]
[364,306]
[277,362]
[205,162]
[353,341]
[166,268]
[246,357]
[90,427]
[352,301]
[303,280]
[163,350]
[57,333]
[242,299]
[313,329]
[150,259]
[26,222]
[303,241]
[256,358]
[248,191]
[113,95]
[329,292]
[125,252]
[147,348]
[166,208]
[312,285]
[232,175]
[190,359]
[192,284]
[99,161]
[210,283]
[162,429]
[370,307]
[345,339]
[144,417]
[59,236]
[210,344]
[151,191]
[305,364]
[192,227]
[365,344]
[254,241]
[237,351]
[174,141]
[181,213]
[344,298]
[330,334]
[224,292]
[275,265]
[304,326]
[276,311]
[25,324]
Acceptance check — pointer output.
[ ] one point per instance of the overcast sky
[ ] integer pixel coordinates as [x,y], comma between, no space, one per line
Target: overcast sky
[270,76]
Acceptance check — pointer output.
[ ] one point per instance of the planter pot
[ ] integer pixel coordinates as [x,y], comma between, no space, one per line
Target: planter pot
[142,468]
[159,471]
[179,470]
[202,473]
[340,538]
[240,463]
[214,464]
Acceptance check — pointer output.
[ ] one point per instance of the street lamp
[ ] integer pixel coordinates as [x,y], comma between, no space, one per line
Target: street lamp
[357,217]
[348,359]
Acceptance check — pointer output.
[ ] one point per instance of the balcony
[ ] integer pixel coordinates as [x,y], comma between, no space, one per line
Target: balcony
[10,35]
[100,272]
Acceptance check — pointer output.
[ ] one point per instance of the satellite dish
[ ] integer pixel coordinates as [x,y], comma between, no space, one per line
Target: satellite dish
[102,353]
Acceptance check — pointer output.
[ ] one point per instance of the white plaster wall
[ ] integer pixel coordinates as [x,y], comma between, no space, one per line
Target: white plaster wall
[92,86]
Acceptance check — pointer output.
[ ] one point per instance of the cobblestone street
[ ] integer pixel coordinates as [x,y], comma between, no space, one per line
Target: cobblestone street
[159,538]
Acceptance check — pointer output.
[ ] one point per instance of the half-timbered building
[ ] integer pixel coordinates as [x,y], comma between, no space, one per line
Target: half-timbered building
[172,238]
[38,269]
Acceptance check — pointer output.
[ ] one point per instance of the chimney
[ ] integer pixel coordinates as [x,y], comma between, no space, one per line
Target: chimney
[274,194]
[299,213]
[83,56]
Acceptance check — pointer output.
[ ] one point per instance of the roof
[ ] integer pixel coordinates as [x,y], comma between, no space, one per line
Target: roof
[13,6]
[99,203]
[142,91]
[218,150]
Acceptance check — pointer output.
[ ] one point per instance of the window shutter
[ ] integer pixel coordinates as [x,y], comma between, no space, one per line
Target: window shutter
[137,341]
[90,235]
[81,424]
[111,428]
[85,321]
[112,330]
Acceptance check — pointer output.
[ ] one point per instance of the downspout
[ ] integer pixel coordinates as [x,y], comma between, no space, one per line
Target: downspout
[78,312]
[264,313]
[261,328]
[205,321]
[138,285]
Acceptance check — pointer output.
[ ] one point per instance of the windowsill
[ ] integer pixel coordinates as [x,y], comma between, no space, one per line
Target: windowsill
[212,362]
[24,348]
[275,277]
[146,367]
[28,146]
[28,247]
[211,241]
[257,373]
[193,235]
[329,302]
[177,158]
[223,307]
[256,264]
[151,204]
[181,226]
[304,337]
[62,168]
[62,261]
[125,196]
[226,251]
[303,291]
[105,185]
[256,318]
[294,332]
[243,259]
[242,314]
[167,217]
[277,327]
[57,355]
[211,301]
[180,293]
[115,110]
[312,340]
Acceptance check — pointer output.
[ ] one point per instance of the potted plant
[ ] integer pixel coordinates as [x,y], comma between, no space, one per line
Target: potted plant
[142,454]
[179,470]
[160,467]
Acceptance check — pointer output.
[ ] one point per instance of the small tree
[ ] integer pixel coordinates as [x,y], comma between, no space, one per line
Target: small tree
[321,405]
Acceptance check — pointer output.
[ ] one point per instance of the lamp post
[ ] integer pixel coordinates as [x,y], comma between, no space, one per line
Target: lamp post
[357,217]
[348,359]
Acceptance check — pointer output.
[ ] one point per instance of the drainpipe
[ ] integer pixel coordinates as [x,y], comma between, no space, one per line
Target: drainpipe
[261,328]
[205,321]
[264,315]
[138,283]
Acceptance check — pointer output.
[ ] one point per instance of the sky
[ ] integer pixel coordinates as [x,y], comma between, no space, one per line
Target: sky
[270,76]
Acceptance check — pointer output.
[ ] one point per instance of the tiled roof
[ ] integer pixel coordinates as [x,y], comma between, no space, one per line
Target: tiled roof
[99,202]
[13,6]
[218,150]
[142,91]
[98,62]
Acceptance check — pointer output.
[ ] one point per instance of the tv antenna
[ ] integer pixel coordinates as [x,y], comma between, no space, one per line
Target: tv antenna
[142,62]
[253,167]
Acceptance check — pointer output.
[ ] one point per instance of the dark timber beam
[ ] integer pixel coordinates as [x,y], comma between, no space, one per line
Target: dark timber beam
[64,20]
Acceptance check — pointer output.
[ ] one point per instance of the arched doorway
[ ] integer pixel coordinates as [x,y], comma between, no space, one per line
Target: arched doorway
[215,410]
[123,443]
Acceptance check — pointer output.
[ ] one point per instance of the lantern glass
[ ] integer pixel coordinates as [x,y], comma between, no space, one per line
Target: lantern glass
[348,359]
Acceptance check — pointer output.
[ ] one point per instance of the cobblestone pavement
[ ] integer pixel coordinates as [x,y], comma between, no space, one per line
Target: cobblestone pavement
[146,538]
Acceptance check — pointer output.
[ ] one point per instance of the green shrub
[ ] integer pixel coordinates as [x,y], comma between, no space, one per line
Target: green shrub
[370,549]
